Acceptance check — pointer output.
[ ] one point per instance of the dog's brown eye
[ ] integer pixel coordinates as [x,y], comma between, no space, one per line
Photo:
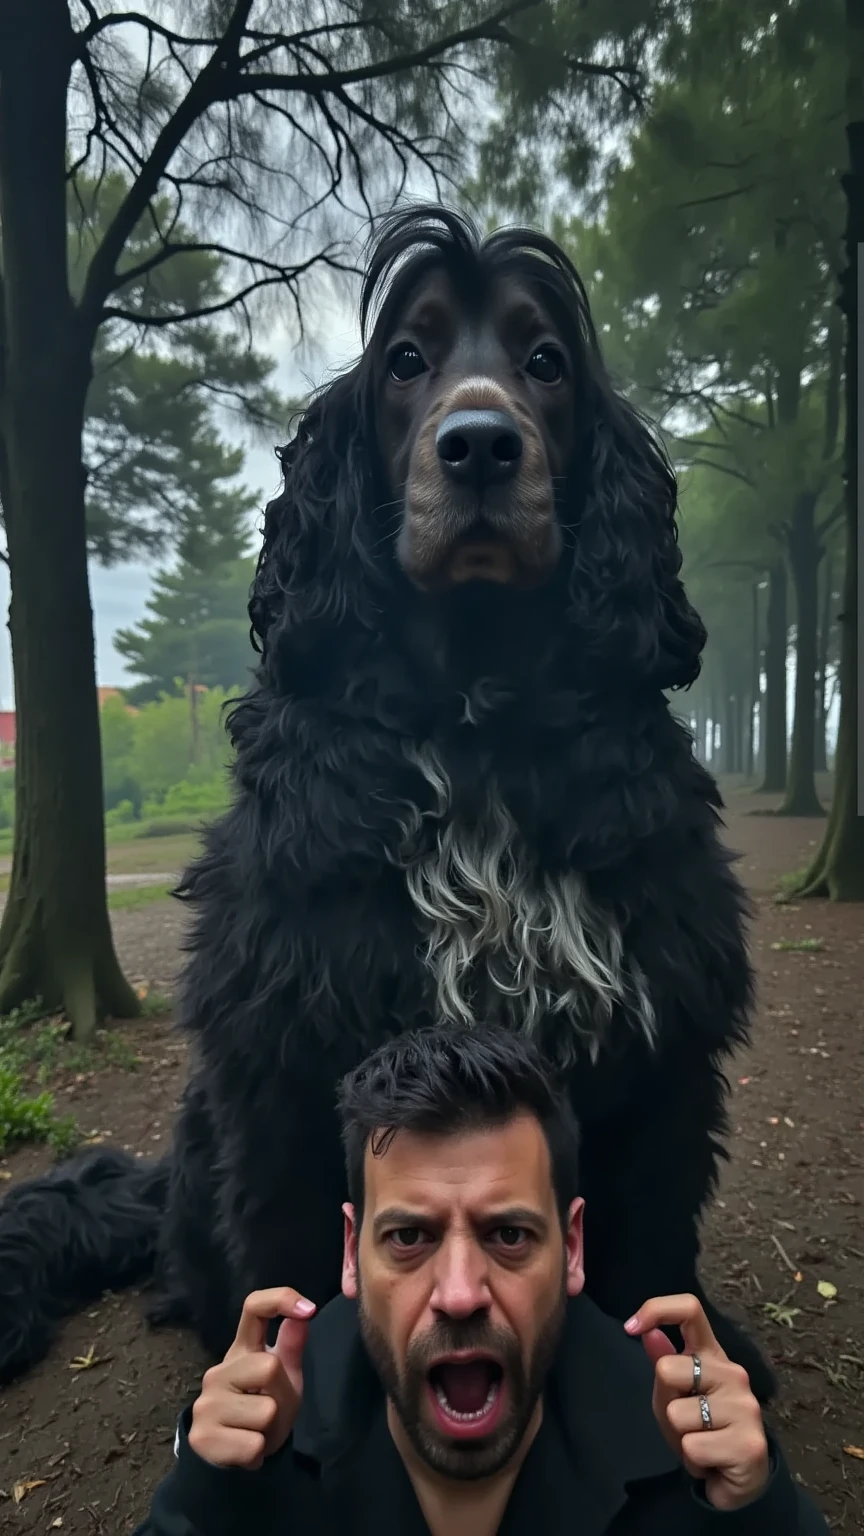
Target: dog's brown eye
[546,365]
[406,363]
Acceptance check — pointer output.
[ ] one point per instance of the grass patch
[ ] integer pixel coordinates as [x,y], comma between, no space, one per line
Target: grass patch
[155,1005]
[799,946]
[35,1045]
[130,897]
[32,1118]
[789,885]
[145,854]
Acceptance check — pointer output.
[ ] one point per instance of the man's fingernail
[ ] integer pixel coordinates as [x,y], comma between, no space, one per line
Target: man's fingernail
[631,1324]
[304,1307]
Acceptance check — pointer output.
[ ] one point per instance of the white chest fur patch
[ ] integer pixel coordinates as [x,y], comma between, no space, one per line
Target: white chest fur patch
[503,941]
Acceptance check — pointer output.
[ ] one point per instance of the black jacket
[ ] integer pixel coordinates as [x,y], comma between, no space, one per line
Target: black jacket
[599,1463]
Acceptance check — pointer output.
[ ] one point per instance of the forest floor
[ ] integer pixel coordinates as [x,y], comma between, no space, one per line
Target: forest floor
[85,1437]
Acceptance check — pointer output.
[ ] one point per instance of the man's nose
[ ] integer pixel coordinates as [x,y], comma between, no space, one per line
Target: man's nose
[461,1279]
[479,448]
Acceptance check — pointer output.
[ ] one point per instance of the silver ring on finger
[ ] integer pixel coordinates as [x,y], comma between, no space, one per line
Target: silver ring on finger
[705,1410]
[697,1376]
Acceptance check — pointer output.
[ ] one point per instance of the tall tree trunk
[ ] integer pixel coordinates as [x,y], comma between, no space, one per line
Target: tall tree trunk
[838,869]
[805,553]
[755,686]
[825,626]
[55,938]
[700,732]
[740,712]
[729,732]
[776,639]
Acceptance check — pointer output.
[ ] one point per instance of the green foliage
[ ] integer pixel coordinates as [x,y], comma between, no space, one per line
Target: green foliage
[27,1042]
[196,628]
[7,799]
[23,1118]
[166,759]
[711,262]
[156,462]
[560,99]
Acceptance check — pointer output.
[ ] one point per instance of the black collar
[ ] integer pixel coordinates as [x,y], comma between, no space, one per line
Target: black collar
[599,1432]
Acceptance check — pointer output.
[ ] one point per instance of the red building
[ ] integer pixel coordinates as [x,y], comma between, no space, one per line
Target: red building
[7,738]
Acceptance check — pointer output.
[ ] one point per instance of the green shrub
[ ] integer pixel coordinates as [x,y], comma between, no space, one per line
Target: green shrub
[194,795]
[121,815]
[24,1118]
[166,828]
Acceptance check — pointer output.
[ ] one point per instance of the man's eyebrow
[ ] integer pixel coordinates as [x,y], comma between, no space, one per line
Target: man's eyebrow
[518,1216]
[398,1216]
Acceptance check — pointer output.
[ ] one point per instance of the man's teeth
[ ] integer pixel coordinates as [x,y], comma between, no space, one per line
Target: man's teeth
[467,1418]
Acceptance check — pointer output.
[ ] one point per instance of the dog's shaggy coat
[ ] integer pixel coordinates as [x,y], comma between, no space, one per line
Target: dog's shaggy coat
[449,803]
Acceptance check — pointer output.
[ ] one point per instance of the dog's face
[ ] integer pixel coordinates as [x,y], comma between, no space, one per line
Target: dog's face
[475,412]
[475,483]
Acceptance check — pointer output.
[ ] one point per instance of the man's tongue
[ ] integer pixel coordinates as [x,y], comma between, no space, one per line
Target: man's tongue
[466,1386]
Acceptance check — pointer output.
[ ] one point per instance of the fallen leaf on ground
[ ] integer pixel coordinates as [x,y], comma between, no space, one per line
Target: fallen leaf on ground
[21,1490]
[87,1362]
[854,1450]
[779,1313]
[827,1290]
[743,1081]
[790,946]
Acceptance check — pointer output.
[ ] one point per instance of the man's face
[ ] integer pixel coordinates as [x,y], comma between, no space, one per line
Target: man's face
[461,1271]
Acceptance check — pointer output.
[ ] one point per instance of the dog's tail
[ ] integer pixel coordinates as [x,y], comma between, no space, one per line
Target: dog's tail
[88,1226]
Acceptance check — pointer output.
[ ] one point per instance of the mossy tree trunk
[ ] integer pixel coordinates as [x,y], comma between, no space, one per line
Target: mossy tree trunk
[55,937]
[838,869]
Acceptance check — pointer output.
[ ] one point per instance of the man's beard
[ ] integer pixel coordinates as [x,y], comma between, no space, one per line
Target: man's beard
[407,1386]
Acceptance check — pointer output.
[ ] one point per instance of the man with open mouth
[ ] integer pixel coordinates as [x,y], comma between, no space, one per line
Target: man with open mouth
[462,1384]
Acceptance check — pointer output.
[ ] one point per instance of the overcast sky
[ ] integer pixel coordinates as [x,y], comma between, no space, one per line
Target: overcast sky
[120,594]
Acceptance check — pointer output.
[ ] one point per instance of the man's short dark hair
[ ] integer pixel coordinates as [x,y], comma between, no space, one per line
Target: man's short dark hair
[443,1080]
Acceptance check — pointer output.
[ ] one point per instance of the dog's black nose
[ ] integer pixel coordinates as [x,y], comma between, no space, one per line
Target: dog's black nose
[479,447]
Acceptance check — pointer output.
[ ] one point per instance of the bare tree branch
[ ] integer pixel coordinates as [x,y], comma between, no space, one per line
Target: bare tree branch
[99,24]
[202,93]
[722,469]
[287,276]
[718,197]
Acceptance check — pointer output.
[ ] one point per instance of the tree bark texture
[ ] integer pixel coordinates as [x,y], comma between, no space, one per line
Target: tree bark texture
[55,937]
[838,869]
[805,553]
[826,621]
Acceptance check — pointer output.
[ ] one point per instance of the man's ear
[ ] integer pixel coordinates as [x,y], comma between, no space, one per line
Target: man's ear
[349,1253]
[573,1243]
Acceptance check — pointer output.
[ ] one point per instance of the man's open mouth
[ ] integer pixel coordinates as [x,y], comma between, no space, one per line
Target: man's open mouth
[467,1396]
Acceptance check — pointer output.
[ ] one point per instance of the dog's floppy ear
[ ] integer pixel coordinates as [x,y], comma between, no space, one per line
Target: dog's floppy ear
[315,566]
[627,591]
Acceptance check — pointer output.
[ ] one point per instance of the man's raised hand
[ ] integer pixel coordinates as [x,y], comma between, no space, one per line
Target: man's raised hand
[248,1404]
[732,1454]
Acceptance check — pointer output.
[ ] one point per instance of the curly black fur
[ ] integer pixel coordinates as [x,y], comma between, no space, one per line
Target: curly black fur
[305,949]
[86,1227]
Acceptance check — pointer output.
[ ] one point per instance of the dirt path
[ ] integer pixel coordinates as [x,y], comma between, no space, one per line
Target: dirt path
[87,1444]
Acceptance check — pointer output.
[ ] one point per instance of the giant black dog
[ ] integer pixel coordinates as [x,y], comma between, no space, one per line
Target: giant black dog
[460,793]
